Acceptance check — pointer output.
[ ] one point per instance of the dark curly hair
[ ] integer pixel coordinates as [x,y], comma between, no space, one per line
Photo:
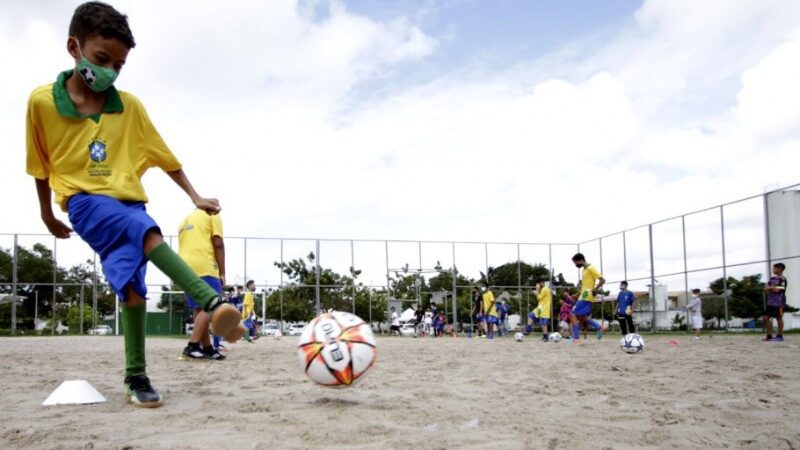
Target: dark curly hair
[93,19]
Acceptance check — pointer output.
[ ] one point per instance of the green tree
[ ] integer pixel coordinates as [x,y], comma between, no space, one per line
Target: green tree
[517,273]
[173,302]
[74,319]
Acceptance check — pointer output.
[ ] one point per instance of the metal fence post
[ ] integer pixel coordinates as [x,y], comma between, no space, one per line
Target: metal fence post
[768,250]
[94,291]
[550,267]
[519,279]
[602,297]
[455,289]
[81,309]
[486,262]
[316,287]
[14,286]
[55,272]
[280,287]
[685,270]
[353,274]
[724,265]
[388,283]
[652,279]
[625,255]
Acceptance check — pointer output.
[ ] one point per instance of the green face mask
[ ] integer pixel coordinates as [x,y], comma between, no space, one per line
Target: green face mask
[96,77]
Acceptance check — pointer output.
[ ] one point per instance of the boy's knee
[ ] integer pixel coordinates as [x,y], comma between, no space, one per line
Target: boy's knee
[152,239]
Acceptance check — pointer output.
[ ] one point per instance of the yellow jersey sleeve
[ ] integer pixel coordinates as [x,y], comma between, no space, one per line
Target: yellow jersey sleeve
[155,150]
[216,225]
[594,273]
[37,158]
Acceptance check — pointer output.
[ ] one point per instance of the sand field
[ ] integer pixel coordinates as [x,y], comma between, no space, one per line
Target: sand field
[725,392]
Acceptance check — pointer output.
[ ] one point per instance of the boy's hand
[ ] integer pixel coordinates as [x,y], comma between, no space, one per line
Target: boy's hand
[209,205]
[56,227]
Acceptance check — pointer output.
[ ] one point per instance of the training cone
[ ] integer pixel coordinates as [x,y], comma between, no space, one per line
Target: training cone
[74,392]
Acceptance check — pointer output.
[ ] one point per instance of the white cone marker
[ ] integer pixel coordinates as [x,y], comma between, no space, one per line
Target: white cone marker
[74,392]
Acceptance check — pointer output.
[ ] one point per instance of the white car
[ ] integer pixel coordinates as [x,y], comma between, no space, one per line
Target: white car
[270,329]
[408,329]
[295,329]
[101,330]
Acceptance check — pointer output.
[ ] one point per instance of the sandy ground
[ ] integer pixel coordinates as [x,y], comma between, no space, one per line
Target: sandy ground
[728,391]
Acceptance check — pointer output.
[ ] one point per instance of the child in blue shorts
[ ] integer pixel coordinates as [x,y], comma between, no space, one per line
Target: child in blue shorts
[591,283]
[90,144]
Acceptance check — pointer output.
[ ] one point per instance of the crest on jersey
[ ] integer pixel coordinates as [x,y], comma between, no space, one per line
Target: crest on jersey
[97,151]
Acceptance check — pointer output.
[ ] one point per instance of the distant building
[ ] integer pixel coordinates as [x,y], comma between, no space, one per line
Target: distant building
[783,234]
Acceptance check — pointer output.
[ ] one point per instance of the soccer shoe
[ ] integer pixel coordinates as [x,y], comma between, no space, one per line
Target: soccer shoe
[777,339]
[766,338]
[213,354]
[226,321]
[140,392]
[193,353]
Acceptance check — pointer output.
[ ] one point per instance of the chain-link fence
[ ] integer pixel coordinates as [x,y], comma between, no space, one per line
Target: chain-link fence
[727,251]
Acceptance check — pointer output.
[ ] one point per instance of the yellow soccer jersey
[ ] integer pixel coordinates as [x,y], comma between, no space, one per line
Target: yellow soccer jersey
[249,304]
[104,154]
[590,277]
[489,307]
[545,299]
[194,242]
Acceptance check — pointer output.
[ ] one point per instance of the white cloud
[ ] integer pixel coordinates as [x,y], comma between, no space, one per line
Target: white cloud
[769,102]
[691,105]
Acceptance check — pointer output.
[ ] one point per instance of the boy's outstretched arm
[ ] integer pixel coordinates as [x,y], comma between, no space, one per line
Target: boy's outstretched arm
[56,227]
[209,205]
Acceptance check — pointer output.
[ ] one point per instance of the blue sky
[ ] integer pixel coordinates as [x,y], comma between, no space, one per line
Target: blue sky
[502,121]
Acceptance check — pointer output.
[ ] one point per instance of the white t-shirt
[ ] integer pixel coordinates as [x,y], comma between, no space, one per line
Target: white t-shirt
[428,318]
[395,319]
[695,307]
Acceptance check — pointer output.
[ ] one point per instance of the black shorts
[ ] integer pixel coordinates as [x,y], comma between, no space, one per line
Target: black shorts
[774,311]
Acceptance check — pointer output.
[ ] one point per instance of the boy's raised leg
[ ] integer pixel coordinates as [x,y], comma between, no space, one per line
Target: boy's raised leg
[225,318]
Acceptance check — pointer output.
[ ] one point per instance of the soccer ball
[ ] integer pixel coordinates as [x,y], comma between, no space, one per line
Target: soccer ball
[336,349]
[277,336]
[554,337]
[631,343]
[88,75]
[518,337]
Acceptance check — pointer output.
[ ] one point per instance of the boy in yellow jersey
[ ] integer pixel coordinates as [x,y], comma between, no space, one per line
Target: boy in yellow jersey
[91,144]
[542,312]
[591,283]
[200,244]
[490,315]
[247,309]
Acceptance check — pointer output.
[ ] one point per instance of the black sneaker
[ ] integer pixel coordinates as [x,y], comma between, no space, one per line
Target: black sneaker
[193,352]
[213,354]
[141,393]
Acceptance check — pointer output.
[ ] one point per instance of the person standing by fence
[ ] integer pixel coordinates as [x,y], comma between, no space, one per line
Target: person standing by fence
[625,309]
[200,244]
[695,308]
[776,301]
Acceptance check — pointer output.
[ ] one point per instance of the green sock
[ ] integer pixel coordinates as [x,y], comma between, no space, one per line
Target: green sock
[174,267]
[133,327]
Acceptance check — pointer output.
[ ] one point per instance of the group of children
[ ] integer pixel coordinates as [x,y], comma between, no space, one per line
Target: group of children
[430,322]
[91,143]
